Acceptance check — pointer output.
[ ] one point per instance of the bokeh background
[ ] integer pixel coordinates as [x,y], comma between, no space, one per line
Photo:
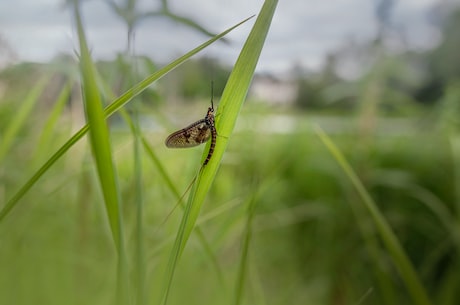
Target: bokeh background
[381,78]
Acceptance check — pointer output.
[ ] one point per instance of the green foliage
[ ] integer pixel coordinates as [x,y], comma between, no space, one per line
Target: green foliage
[404,266]
[232,100]
[193,81]
[404,81]
[272,219]
[445,63]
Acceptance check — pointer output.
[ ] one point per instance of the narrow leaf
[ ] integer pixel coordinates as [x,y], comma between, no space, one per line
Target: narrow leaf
[400,259]
[232,100]
[102,153]
[20,117]
[109,110]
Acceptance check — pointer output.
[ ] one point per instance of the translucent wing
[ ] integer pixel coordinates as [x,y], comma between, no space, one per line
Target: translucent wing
[193,135]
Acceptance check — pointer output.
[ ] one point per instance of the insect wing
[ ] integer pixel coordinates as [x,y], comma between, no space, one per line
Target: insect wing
[193,135]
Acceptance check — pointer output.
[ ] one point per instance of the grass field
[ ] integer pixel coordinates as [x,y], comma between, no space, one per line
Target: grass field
[309,242]
[295,207]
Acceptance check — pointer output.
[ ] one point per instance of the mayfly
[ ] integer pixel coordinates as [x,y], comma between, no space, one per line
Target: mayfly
[193,135]
[196,134]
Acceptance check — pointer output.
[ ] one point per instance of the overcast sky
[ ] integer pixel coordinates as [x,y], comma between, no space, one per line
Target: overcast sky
[302,32]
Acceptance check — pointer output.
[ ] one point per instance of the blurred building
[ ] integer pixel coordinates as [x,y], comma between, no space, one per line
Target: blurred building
[269,89]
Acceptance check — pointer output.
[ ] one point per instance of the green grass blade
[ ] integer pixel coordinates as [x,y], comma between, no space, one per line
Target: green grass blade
[50,125]
[141,86]
[109,110]
[20,117]
[169,183]
[102,153]
[99,135]
[400,259]
[41,171]
[141,266]
[243,268]
[232,100]
[201,237]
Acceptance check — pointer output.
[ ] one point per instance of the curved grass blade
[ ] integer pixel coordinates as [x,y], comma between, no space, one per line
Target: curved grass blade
[108,111]
[244,262]
[140,262]
[231,102]
[20,117]
[52,121]
[201,236]
[99,137]
[169,183]
[400,259]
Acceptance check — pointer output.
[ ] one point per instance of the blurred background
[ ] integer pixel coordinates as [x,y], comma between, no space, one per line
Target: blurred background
[381,77]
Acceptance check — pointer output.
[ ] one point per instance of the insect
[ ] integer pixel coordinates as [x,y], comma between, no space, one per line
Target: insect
[196,134]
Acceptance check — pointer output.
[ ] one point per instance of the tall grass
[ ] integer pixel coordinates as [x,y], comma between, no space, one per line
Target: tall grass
[232,100]
[390,240]
[302,244]
[284,224]
[100,141]
[108,111]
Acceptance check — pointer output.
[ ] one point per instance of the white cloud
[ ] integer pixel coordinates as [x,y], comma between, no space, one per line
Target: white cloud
[302,30]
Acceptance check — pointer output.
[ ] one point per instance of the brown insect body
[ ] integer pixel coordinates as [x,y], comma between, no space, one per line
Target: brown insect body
[196,134]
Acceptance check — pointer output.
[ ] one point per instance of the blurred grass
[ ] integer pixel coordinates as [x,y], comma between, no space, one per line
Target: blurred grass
[279,223]
[19,119]
[399,257]
[305,245]
[108,111]
[305,240]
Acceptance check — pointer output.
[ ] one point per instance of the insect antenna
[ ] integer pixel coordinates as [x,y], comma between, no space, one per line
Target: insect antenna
[178,203]
[212,95]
